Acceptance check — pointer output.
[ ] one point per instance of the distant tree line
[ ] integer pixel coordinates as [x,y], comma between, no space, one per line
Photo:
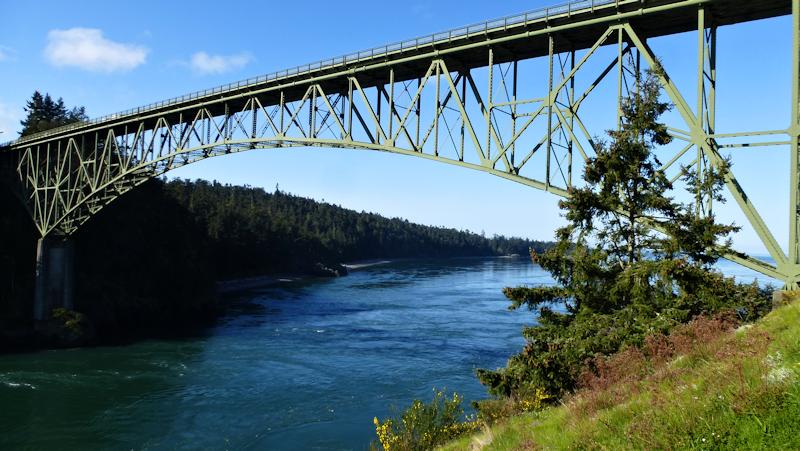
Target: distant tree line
[146,264]
[251,231]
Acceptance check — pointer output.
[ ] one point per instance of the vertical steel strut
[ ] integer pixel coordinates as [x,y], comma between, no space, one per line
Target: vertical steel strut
[794,159]
[71,176]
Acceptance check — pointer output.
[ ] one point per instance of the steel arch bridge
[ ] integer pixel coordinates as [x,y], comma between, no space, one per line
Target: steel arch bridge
[503,97]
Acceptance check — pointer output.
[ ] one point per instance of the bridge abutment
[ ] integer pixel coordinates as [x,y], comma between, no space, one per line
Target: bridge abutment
[54,276]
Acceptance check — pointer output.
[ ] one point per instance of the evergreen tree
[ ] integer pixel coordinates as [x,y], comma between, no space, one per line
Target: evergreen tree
[630,261]
[44,113]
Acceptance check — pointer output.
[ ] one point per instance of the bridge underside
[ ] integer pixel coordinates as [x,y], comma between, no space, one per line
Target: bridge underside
[508,101]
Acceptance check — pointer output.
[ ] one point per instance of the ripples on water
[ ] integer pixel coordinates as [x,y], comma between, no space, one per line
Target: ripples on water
[299,365]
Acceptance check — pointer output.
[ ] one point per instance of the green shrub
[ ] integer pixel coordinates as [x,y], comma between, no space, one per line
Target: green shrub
[494,410]
[631,261]
[424,426]
[74,322]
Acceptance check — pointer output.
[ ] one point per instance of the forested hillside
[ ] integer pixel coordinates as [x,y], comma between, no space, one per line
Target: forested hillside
[252,231]
[147,263]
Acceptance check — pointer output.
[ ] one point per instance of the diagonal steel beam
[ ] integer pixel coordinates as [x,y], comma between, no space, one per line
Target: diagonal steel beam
[738,193]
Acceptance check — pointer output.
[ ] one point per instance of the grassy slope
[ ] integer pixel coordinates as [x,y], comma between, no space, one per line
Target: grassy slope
[742,392]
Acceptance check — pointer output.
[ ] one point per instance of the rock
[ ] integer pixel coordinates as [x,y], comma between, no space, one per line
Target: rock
[784,297]
[67,329]
[327,270]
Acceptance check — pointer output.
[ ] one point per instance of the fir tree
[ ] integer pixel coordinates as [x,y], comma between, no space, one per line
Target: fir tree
[44,113]
[630,261]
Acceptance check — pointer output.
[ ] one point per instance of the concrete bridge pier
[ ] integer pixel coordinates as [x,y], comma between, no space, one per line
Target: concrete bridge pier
[54,276]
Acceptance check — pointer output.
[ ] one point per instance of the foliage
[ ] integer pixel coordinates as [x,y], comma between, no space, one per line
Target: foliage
[17,260]
[73,321]
[143,268]
[494,410]
[69,328]
[44,113]
[424,426]
[146,264]
[706,385]
[631,260]
[251,231]
[17,256]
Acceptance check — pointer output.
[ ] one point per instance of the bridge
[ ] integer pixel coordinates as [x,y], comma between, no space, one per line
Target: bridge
[502,97]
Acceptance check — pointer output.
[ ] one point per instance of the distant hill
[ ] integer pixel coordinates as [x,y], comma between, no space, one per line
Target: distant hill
[147,263]
[253,231]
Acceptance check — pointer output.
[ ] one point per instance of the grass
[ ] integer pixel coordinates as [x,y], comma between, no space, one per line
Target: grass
[706,386]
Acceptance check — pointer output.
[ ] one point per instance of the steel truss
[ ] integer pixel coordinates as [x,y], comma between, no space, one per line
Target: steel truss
[469,115]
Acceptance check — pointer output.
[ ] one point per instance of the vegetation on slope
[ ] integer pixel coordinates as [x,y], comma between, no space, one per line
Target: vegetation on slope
[251,231]
[146,264]
[631,260]
[707,385]
[631,266]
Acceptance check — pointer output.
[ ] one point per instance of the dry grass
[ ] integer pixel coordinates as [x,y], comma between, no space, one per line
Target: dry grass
[610,381]
[707,385]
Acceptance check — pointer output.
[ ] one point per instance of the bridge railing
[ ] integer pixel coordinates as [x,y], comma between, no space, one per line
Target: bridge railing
[515,20]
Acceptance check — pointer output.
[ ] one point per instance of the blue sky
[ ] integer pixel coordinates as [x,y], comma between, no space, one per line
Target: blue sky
[133,53]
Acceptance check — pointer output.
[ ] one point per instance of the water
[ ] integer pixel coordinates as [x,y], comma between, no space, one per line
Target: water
[295,366]
[302,365]
[745,275]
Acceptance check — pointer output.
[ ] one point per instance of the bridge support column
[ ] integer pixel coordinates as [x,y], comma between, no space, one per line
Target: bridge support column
[54,276]
[793,282]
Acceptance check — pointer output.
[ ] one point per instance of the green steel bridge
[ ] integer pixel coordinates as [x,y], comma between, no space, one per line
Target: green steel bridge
[503,97]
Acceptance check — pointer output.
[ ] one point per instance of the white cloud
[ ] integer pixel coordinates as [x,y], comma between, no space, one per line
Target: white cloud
[204,63]
[86,48]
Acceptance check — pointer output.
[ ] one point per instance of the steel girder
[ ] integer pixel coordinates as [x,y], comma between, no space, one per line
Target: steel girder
[467,114]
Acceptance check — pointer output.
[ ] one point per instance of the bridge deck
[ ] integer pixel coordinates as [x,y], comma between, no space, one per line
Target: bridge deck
[575,26]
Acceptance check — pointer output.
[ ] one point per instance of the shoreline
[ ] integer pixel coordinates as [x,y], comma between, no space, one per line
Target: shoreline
[229,286]
[248,283]
[363,264]
[234,285]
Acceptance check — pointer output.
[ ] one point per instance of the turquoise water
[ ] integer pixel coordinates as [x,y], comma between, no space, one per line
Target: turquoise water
[301,365]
